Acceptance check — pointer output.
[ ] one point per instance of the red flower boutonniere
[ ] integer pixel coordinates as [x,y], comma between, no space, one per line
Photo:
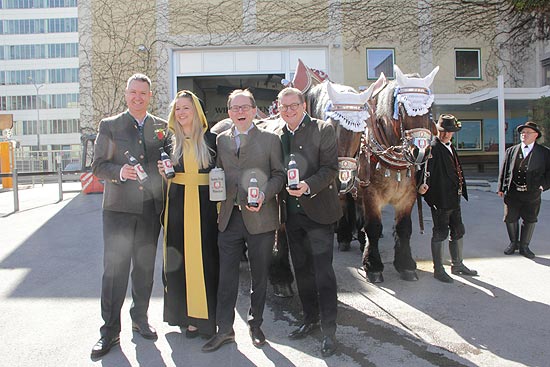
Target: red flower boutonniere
[160,134]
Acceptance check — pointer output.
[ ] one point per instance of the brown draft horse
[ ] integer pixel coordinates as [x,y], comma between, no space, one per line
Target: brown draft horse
[348,112]
[396,143]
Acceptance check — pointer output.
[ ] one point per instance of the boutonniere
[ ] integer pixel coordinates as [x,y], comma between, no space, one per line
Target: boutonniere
[160,133]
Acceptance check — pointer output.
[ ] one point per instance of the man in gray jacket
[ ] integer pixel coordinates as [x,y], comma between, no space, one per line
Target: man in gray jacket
[244,151]
[131,209]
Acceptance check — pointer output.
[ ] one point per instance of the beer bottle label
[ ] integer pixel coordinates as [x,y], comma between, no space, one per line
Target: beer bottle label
[142,175]
[253,196]
[293,177]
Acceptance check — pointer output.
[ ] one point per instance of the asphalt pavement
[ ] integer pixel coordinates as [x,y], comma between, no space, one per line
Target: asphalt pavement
[50,271]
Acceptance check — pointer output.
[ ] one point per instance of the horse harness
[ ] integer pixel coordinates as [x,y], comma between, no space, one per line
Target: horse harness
[376,148]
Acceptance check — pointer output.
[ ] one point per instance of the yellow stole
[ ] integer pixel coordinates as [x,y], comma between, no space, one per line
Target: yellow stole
[194,273]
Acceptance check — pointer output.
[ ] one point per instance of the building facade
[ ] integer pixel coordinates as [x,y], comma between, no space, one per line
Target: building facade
[39,72]
[214,46]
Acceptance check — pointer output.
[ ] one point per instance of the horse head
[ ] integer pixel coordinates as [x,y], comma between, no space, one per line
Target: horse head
[348,112]
[404,110]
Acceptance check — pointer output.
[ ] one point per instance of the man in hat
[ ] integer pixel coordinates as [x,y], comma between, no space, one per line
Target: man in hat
[524,176]
[444,185]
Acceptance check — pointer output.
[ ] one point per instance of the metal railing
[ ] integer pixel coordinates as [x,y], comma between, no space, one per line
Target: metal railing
[47,160]
[44,164]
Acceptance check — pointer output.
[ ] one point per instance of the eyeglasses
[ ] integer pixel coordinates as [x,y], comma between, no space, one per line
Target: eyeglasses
[244,108]
[292,106]
[528,132]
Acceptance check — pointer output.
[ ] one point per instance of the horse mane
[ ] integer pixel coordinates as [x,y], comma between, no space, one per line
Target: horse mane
[317,98]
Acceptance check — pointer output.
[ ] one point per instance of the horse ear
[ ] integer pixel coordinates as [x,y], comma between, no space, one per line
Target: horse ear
[428,79]
[378,85]
[399,76]
[331,92]
[366,94]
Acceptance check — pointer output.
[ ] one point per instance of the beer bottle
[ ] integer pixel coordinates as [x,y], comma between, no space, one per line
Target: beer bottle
[293,175]
[253,191]
[167,164]
[132,161]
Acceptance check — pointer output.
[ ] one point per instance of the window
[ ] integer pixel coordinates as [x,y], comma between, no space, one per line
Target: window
[469,137]
[50,51]
[467,64]
[546,71]
[35,26]
[28,4]
[380,60]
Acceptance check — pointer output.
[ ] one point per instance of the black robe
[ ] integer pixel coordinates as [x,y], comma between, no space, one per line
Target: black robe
[175,298]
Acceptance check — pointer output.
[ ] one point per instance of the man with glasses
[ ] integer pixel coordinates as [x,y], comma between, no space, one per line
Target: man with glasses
[245,151]
[310,213]
[524,176]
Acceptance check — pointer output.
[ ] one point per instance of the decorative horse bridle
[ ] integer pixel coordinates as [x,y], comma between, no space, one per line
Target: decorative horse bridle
[352,117]
[418,140]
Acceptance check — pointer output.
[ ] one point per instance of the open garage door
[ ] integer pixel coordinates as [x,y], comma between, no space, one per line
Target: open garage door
[213,90]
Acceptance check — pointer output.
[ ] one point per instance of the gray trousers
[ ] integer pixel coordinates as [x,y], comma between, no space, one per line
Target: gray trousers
[230,245]
[130,241]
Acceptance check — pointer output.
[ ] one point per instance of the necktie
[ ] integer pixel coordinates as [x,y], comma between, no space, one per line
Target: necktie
[242,143]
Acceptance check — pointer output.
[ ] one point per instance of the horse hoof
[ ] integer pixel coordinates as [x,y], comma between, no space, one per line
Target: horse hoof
[408,275]
[375,277]
[344,246]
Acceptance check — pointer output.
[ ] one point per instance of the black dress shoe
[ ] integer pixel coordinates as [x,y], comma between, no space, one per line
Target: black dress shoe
[303,331]
[512,247]
[442,276]
[525,251]
[328,346]
[257,336]
[104,345]
[191,334]
[283,290]
[145,330]
[462,270]
[218,340]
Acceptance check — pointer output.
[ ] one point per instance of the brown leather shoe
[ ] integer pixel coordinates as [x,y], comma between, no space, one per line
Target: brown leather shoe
[103,346]
[145,330]
[218,340]
[257,336]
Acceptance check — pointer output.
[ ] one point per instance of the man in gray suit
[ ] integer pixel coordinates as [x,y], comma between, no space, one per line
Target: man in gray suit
[311,212]
[244,151]
[131,210]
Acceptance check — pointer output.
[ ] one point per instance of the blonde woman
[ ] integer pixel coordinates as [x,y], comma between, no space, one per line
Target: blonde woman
[191,260]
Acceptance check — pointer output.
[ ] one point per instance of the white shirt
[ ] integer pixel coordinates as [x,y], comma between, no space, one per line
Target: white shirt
[527,148]
[448,146]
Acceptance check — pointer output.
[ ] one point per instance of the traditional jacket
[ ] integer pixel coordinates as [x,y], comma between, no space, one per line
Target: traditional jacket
[537,167]
[445,171]
[117,135]
[315,148]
